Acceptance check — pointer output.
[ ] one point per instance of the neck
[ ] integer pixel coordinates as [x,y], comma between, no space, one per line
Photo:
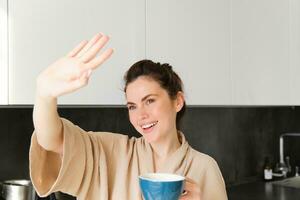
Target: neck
[166,146]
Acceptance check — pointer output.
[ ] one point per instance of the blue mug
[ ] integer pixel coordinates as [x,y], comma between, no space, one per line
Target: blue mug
[161,186]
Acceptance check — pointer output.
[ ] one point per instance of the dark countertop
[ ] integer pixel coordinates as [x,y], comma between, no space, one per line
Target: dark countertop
[262,191]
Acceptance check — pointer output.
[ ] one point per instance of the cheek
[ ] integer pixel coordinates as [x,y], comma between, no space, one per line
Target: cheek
[164,108]
[166,112]
[132,118]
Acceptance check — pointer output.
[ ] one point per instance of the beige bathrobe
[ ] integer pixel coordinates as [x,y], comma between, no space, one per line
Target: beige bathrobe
[102,166]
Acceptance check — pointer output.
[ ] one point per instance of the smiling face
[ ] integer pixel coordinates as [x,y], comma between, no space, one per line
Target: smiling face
[151,111]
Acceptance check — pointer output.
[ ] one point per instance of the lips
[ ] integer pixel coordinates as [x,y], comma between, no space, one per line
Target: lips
[147,127]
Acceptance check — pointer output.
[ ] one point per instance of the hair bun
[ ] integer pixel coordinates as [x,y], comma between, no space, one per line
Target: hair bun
[167,66]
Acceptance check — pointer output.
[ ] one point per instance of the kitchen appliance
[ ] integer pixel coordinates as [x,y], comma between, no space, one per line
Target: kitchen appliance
[17,190]
[284,167]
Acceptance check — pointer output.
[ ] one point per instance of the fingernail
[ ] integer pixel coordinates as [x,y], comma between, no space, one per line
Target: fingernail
[89,72]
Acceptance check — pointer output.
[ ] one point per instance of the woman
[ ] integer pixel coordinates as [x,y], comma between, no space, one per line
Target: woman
[93,166]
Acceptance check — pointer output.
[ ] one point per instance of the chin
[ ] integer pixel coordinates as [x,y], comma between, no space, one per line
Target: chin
[149,138]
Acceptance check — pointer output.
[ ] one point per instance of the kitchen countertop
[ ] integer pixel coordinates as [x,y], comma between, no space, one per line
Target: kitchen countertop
[250,191]
[262,191]
[258,190]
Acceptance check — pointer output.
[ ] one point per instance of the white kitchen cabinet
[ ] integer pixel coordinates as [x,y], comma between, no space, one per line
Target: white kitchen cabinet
[193,36]
[3,53]
[260,52]
[234,52]
[231,52]
[42,31]
[295,51]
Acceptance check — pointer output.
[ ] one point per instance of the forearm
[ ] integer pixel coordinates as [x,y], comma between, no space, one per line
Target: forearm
[47,124]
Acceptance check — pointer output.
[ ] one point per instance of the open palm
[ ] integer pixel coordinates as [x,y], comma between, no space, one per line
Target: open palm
[72,71]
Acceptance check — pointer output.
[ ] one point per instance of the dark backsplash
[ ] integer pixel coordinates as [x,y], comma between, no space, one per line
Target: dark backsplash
[239,138]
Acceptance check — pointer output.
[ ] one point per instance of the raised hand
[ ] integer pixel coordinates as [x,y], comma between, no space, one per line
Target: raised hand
[72,71]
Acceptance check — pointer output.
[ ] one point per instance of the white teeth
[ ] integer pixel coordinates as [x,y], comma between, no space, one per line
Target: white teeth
[148,125]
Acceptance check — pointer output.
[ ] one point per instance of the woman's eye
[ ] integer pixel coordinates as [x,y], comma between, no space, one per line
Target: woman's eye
[131,107]
[150,101]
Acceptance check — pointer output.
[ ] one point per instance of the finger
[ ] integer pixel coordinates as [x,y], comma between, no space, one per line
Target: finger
[80,73]
[92,52]
[77,49]
[79,83]
[93,64]
[190,186]
[94,39]
[185,197]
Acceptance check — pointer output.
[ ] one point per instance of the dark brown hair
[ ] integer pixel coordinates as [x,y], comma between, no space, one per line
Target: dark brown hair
[163,74]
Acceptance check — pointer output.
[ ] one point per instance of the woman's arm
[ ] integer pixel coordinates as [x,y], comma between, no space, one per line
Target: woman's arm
[66,75]
[47,124]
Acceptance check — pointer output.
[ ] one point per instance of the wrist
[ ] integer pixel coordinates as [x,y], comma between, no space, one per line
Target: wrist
[40,96]
[41,90]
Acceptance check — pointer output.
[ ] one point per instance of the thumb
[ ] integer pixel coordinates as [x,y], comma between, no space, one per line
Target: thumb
[78,83]
[83,80]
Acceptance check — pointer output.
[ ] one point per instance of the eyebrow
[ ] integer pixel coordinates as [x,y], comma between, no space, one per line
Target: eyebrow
[143,99]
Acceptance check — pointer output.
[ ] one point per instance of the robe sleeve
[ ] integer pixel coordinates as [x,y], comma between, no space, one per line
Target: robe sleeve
[77,172]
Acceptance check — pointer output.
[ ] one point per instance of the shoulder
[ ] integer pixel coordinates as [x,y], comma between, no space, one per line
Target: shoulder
[203,159]
[206,168]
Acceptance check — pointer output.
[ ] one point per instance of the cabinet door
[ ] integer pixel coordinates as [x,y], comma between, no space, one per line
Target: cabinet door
[260,52]
[42,31]
[3,53]
[295,50]
[194,37]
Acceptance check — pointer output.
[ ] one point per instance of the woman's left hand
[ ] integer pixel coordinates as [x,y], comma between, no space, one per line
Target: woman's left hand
[192,190]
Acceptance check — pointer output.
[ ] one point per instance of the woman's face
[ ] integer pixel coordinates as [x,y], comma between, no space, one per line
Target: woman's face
[151,111]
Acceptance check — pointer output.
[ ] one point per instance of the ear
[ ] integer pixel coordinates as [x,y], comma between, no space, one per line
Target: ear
[179,101]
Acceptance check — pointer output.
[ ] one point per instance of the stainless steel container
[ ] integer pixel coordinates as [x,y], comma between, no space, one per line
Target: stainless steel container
[17,190]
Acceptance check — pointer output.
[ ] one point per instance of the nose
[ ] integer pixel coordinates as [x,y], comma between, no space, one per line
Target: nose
[143,114]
